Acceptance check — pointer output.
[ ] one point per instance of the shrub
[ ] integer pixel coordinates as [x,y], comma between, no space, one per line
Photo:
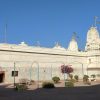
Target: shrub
[56,79]
[20,87]
[85,78]
[76,78]
[69,84]
[98,75]
[73,80]
[48,85]
[71,76]
[93,75]
[23,81]
[32,82]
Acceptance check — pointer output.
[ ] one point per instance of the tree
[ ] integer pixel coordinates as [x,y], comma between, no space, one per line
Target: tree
[66,69]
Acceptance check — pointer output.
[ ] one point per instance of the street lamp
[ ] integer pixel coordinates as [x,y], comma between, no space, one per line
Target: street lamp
[63,70]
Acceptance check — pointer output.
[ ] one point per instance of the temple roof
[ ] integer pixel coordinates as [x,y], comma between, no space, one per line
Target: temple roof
[73,46]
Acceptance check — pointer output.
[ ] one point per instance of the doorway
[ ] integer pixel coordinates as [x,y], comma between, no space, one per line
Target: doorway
[2,75]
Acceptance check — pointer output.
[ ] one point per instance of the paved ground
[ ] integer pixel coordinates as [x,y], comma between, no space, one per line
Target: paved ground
[59,93]
[79,92]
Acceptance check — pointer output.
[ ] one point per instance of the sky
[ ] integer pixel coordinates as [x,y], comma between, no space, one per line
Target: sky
[47,21]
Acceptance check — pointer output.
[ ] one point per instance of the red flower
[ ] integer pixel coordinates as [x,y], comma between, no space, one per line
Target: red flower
[66,69]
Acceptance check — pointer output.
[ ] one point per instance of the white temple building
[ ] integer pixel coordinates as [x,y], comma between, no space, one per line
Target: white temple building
[39,63]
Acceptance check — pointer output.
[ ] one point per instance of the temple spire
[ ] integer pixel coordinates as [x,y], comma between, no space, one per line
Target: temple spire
[73,46]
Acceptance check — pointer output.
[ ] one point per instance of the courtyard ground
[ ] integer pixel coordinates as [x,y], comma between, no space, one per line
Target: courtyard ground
[59,93]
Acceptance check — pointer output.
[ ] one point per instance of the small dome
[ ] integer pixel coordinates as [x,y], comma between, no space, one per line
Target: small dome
[58,46]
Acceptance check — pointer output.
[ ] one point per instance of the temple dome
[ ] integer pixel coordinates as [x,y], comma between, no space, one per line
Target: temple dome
[92,34]
[73,46]
[93,40]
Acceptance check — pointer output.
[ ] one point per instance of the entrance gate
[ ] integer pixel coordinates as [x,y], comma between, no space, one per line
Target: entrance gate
[2,75]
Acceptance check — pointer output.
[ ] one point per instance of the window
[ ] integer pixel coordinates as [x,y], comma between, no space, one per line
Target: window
[14,73]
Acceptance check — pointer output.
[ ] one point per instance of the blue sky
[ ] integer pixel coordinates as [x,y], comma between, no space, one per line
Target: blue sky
[47,21]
